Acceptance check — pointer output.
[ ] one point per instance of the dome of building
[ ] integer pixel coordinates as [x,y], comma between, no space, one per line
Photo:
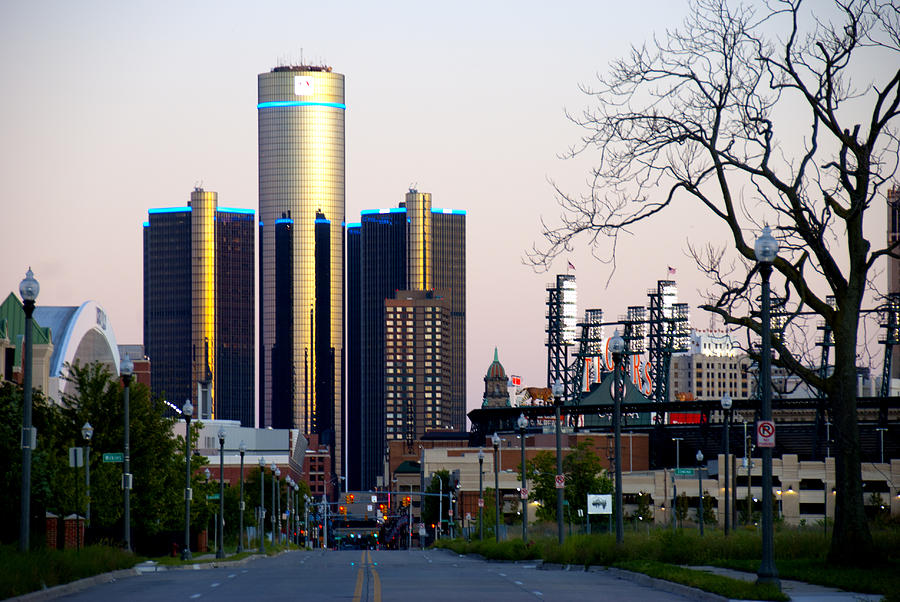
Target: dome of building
[496,385]
[495,370]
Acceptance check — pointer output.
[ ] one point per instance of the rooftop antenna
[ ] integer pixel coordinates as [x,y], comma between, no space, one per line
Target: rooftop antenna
[301,64]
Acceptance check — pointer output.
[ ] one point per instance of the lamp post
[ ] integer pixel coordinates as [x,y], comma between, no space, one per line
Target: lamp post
[306,501]
[557,390]
[262,505]
[220,524]
[28,289]
[700,489]
[617,347]
[188,412]
[273,467]
[207,474]
[522,422]
[480,495]
[87,431]
[278,504]
[726,406]
[677,441]
[242,448]
[766,249]
[495,441]
[127,369]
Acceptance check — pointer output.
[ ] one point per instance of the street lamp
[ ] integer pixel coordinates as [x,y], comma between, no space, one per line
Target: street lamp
[766,249]
[127,369]
[220,550]
[617,348]
[306,500]
[87,431]
[726,407]
[262,505]
[274,467]
[522,422]
[677,441]
[495,441]
[28,289]
[188,412]
[480,495]
[557,390]
[242,448]
[700,489]
[208,474]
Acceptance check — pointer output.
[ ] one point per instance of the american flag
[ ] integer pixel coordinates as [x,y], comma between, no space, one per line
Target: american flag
[671,271]
[572,267]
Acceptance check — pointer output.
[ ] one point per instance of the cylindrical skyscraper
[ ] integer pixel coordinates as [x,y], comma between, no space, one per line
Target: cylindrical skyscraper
[301,178]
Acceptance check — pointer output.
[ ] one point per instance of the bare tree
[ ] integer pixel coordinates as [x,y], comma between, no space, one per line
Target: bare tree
[750,111]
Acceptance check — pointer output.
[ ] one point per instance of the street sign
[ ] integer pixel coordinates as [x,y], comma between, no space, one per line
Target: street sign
[599,503]
[523,493]
[76,457]
[688,472]
[468,516]
[212,496]
[560,481]
[765,433]
[113,457]
[450,513]
[481,502]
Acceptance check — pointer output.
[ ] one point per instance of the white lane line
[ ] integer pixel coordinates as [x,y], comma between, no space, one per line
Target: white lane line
[232,576]
[244,571]
[537,593]
[501,574]
[196,596]
[215,584]
[517,582]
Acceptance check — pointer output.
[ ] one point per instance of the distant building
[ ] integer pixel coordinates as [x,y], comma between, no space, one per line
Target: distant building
[713,367]
[496,385]
[893,265]
[199,306]
[413,247]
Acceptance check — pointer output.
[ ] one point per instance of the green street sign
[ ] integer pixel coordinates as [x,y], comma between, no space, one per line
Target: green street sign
[213,496]
[685,471]
[113,457]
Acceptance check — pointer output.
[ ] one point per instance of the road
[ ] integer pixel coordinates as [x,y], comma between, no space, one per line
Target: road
[371,576]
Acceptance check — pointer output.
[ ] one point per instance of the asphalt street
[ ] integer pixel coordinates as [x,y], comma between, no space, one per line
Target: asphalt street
[433,575]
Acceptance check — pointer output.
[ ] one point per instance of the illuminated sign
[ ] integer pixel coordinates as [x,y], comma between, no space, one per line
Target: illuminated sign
[641,375]
[304,85]
[569,310]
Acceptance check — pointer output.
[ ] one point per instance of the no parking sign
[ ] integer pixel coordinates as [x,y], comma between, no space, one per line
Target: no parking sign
[765,433]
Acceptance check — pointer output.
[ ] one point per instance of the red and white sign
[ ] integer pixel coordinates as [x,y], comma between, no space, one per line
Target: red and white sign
[523,493]
[304,85]
[449,512]
[516,381]
[560,481]
[481,502]
[765,433]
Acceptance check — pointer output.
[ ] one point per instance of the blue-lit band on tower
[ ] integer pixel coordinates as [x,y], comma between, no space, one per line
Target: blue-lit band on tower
[301,178]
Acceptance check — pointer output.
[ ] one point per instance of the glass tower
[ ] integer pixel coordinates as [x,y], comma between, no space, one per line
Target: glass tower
[301,178]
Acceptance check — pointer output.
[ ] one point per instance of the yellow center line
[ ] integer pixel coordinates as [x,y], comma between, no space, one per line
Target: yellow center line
[377,585]
[357,593]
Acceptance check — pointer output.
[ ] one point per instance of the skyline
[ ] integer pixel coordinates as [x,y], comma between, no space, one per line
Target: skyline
[120,109]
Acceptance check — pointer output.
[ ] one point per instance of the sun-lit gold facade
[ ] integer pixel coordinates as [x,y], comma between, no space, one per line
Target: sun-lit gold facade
[203,294]
[301,172]
[418,207]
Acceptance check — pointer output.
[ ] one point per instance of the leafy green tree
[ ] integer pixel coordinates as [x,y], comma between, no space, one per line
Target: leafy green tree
[644,510]
[681,507]
[584,474]
[432,504]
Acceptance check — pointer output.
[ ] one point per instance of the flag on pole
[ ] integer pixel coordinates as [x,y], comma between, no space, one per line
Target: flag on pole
[671,271]
[572,267]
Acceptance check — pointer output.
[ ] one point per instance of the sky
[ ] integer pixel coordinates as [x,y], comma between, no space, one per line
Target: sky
[113,108]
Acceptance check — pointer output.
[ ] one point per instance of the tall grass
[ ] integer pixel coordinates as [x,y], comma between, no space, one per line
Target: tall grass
[23,573]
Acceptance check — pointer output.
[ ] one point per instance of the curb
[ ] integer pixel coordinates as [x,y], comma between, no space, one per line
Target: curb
[661,584]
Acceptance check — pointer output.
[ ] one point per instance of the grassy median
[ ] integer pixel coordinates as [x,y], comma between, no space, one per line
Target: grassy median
[666,554]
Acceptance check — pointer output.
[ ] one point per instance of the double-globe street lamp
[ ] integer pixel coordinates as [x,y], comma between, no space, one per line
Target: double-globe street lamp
[700,489]
[28,289]
[242,448]
[127,369]
[557,390]
[766,250]
[220,525]
[495,441]
[522,423]
[87,431]
[262,505]
[188,412]
[480,495]
[726,408]
[617,348]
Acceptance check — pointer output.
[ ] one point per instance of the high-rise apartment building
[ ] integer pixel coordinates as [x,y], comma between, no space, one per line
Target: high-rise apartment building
[199,306]
[413,247]
[301,242]
[893,265]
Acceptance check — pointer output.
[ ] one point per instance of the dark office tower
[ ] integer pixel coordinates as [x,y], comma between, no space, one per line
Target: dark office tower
[449,265]
[383,271]
[301,171]
[354,359]
[283,349]
[235,317]
[198,306]
[323,402]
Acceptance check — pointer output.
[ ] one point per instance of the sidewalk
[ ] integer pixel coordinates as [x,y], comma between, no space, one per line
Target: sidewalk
[797,590]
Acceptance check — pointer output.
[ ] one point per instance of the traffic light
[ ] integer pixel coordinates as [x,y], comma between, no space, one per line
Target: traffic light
[342,510]
[406,501]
